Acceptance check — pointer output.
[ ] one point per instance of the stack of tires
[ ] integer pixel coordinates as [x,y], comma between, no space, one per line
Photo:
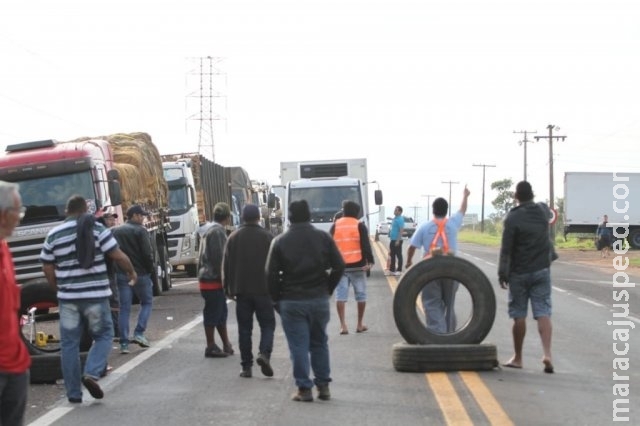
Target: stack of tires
[427,351]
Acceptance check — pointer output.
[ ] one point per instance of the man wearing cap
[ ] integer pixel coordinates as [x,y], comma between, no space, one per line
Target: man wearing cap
[243,279]
[133,239]
[214,314]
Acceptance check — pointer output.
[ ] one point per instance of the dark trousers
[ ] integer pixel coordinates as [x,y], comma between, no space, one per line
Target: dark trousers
[262,306]
[395,252]
[13,397]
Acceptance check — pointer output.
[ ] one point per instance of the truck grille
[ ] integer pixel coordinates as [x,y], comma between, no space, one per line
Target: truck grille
[26,258]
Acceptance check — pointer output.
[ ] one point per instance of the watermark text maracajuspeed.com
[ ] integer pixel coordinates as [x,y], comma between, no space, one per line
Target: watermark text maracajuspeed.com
[620,282]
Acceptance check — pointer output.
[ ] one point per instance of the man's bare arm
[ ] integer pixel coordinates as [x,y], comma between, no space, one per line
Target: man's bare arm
[49,270]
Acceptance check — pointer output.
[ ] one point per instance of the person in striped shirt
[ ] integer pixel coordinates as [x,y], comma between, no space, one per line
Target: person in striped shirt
[73,261]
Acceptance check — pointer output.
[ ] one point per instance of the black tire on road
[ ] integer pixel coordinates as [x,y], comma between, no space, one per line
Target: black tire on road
[634,238]
[425,358]
[46,368]
[166,272]
[39,294]
[455,268]
[156,276]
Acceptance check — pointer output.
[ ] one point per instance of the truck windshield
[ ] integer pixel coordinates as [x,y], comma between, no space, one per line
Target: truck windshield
[325,202]
[46,198]
[178,201]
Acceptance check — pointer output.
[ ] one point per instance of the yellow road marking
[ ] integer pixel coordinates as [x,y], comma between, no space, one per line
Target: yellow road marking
[452,409]
[485,399]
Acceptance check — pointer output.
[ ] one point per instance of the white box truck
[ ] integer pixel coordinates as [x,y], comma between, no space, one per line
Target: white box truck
[590,195]
[325,184]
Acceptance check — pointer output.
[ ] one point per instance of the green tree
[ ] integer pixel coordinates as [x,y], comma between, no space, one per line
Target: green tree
[505,199]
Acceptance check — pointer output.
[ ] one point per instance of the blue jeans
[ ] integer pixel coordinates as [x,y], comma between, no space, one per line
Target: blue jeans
[305,324]
[534,286]
[75,315]
[438,301]
[358,279]
[143,289]
[262,306]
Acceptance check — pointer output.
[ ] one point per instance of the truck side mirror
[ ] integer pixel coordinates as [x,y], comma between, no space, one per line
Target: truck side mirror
[377,195]
[115,193]
[271,200]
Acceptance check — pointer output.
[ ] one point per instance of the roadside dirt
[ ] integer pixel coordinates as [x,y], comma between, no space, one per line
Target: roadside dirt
[594,257]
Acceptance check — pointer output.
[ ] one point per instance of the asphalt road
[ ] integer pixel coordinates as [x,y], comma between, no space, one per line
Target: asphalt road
[172,383]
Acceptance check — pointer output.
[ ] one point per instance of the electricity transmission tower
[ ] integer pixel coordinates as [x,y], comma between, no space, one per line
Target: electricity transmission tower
[211,100]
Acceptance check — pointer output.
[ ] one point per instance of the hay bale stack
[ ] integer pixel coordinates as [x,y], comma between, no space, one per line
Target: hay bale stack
[140,166]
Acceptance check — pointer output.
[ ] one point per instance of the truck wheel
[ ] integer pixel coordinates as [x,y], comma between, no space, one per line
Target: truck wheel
[156,277]
[483,301]
[166,272]
[192,270]
[47,368]
[425,358]
[634,238]
[38,294]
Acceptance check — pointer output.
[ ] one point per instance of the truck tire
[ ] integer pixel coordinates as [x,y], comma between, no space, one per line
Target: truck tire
[156,276]
[634,238]
[166,272]
[192,270]
[46,368]
[425,358]
[454,268]
[40,295]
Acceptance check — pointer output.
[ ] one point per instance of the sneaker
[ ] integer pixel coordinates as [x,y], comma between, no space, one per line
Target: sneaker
[141,340]
[75,400]
[265,365]
[93,387]
[214,351]
[397,273]
[323,392]
[124,348]
[388,273]
[246,372]
[303,394]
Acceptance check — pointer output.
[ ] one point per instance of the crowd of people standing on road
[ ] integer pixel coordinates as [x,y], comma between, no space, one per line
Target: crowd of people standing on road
[293,274]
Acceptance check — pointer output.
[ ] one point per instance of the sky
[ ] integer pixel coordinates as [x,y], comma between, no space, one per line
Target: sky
[424,90]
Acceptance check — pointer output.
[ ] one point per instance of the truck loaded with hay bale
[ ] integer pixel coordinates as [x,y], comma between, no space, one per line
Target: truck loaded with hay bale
[114,171]
[196,184]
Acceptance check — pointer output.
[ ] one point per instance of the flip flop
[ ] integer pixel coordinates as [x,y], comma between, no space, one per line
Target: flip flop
[344,331]
[511,365]
[548,367]
[363,329]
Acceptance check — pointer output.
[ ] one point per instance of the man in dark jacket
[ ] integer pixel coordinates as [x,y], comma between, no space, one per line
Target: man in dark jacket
[133,240]
[215,311]
[525,260]
[300,285]
[244,280]
[352,238]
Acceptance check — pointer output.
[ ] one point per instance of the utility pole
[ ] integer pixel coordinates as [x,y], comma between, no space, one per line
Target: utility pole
[484,167]
[450,183]
[428,204]
[415,210]
[524,142]
[551,137]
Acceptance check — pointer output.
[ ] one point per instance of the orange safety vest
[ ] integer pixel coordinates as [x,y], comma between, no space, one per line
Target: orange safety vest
[440,234]
[347,238]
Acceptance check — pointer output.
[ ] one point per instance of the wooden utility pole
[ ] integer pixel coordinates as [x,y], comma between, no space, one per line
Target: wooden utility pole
[524,142]
[551,137]
[484,167]
[450,183]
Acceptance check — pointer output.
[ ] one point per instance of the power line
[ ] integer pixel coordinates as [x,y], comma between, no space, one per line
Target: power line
[551,137]
[450,183]
[484,167]
[524,142]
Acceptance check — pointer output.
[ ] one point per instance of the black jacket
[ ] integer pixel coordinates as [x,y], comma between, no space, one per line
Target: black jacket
[526,246]
[243,263]
[133,240]
[303,263]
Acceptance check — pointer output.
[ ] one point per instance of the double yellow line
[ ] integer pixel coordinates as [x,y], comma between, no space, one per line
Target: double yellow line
[451,406]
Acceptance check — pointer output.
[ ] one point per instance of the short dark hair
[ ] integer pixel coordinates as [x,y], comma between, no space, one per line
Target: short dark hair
[76,204]
[399,208]
[350,208]
[299,211]
[524,192]
[440,207]
[221,211]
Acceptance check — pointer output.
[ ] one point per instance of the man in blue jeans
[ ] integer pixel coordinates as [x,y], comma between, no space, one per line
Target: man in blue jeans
[134,241]
[301,287]
[80,244]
